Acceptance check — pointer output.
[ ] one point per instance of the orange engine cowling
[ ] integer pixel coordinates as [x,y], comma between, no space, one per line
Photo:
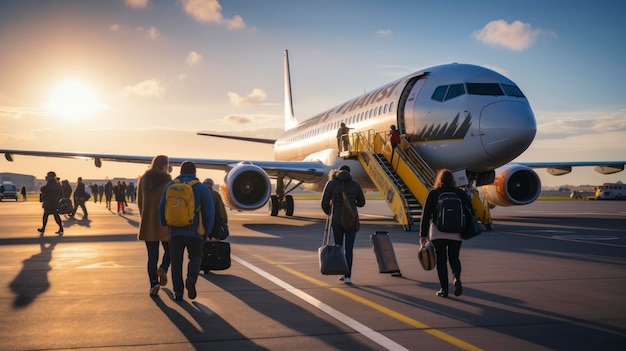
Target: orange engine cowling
[514,185]
[246,187]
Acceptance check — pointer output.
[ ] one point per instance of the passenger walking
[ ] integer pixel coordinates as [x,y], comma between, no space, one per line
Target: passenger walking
[343,141]
[447,245]
[332,200]
[23,192]
[191,236]
[108,193]
[120,197]
[51,195]
[149,191]
[218,204]
[80,196]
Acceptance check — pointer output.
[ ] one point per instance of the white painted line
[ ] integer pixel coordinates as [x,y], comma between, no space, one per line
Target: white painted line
[357,326]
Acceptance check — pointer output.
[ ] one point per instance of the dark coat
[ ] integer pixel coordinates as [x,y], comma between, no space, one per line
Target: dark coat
[51,195]
[332,196]
[149,191]
[430,206]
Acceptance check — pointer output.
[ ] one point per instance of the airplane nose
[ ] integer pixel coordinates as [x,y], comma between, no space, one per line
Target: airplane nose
[507,128]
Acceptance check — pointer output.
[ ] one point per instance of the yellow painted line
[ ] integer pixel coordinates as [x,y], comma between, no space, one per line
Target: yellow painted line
[391,313]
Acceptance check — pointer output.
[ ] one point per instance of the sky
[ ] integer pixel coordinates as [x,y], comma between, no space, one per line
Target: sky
[141,77]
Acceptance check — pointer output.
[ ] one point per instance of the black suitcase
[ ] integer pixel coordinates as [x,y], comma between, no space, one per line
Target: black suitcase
[215,256]
[65,206]
[385,256]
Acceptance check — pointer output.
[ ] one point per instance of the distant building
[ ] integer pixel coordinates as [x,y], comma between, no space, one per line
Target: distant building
[20,179]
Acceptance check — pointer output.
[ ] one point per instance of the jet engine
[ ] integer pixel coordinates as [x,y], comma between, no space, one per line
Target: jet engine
[246,187]
[514,185]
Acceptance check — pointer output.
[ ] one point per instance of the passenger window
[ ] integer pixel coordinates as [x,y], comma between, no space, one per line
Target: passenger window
[391,107]
[440,93]
[454,91]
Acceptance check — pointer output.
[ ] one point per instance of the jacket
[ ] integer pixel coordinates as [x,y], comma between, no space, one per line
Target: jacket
[51,195]
[203,202]
[430,207]
[149,191]
[332,196]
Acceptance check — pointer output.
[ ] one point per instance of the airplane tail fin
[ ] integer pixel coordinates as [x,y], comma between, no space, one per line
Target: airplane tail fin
[290,119]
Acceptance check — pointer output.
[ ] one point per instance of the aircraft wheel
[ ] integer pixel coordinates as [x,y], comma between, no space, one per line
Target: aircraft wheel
[273,205]
[289,205]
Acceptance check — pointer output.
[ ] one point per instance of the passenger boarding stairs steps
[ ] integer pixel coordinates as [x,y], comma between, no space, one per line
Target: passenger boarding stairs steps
[402,184]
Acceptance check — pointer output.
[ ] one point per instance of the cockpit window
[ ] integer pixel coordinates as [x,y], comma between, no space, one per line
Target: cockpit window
[484,89]
[454,91]
[440,93]
[512,90]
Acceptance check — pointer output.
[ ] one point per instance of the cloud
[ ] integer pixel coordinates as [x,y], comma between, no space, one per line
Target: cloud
[257,96]
[147,88]
[151,32]
[193,58]
[118,27]
[383,32]
[563,125]
[516,36]
[137,4]
[210,11]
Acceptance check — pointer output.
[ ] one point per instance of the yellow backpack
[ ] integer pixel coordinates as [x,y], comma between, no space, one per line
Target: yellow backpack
[180,204]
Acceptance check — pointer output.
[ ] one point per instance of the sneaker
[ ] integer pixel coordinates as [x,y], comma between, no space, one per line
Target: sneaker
[162,277]
[154,290]
[458,287]
[40,230]
[347,280]
[178,295]
[59,233]
[191,290]
[342,277]
[442,293]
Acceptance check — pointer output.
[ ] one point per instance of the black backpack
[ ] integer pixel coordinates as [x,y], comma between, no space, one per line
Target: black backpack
[450,217]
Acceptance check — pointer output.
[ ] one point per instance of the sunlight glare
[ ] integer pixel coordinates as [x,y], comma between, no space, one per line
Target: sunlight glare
[73,99]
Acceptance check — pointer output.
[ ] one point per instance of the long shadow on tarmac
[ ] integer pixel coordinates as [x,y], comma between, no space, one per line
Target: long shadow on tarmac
[286,313]
[32,280]
[213,330]
[558,332]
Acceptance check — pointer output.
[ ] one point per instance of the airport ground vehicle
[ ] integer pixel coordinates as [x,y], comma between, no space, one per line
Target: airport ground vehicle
[611,191]
[8,190]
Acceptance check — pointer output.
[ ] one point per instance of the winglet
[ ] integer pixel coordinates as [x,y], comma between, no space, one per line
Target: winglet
[290,120]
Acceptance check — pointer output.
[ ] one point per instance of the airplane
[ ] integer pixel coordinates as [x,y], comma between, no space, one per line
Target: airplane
[466,118]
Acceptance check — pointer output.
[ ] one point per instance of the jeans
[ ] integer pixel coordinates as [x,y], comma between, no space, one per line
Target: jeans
[447,250]
[153,260]
[350,236]
[177,246]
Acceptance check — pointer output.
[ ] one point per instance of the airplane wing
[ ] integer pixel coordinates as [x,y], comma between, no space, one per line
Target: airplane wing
[300,171]
[560,168]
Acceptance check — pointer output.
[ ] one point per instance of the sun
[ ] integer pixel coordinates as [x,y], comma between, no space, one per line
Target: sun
[73,99]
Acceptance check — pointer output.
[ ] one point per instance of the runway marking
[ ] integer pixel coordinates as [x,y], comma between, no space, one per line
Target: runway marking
[391,313]
[357,326]
[586,240]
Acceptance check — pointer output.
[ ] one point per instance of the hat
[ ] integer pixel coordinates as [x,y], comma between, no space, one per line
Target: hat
[208,180]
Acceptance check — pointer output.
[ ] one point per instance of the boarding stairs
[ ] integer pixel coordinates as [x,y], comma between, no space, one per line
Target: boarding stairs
[401,176]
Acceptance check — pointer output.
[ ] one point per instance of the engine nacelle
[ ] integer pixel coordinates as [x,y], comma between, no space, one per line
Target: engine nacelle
[514,185]
[246,187]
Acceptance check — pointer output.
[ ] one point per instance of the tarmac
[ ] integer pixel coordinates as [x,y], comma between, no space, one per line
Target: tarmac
[549,276]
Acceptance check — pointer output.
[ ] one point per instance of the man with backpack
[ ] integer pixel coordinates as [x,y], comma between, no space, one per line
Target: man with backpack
[443,221]
[186,208]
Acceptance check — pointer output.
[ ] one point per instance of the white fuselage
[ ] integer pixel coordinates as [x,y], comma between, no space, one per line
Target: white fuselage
[457,116]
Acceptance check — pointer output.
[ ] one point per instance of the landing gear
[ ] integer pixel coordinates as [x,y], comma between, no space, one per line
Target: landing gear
[281,201]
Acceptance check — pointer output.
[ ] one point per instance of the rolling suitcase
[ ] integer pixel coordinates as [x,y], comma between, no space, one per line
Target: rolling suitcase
[215,256]
[385,256]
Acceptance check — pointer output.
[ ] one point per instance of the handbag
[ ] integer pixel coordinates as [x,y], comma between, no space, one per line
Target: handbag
[472,228]
[332,258]
[427,257]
